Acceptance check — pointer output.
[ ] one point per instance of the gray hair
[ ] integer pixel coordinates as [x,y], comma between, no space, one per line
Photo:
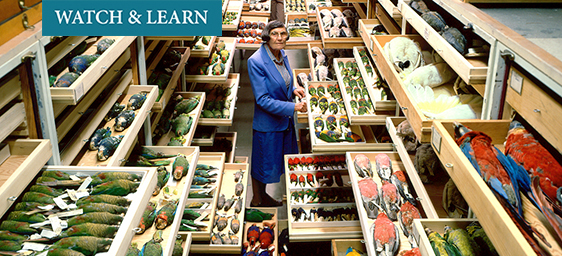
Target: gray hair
[270,26]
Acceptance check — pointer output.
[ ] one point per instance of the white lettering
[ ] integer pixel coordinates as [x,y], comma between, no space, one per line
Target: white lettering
[149,12]
[98,17]
[77,17]
[187,17]
[65,16]
[161,16]
[174,17]
[112,17]
[198,14]
[89,12]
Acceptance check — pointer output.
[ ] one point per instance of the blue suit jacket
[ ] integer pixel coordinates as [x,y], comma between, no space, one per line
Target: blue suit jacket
[274,104]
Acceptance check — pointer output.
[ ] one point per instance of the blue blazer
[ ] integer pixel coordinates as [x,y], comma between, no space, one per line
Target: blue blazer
[274,105]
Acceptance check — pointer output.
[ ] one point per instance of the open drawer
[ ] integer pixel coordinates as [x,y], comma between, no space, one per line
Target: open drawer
[337,42]
[418,120]
[245,38]
[231,17]
[437,225]
[471,70]
[314,182]
[90,158]
[194,74]
[366,222]
[72,94]
[204,200]
[180,190]
[26,158]
[194,114]
[170,87]
[501,230]
[220,101]
[201,50]
[340,246]
[204,136]
[224,142]
[138,198]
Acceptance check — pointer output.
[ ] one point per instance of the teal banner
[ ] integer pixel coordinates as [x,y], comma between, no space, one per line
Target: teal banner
[132,18]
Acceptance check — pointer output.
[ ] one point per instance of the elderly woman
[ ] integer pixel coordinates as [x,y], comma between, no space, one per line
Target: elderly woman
[273,126]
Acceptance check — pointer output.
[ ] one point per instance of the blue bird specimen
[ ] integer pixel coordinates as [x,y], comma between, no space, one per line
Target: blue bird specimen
[108,146]
[104,44]
[114,112]
[153,246]
[66,80]
[136,101]
[98,136]
[124,120]
[80,63]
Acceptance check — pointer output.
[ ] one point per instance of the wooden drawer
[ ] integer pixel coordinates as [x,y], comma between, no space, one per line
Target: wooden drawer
[139,199]
[535,105]
[130,134]
[419,188]
[194,63]
[295,9]
[311,59]
[391,9]
[204,136]
[471,70]
[26,159]
[369,141]
[257,41]
[436,225]
[234,7]
[216,160]
[225,137]
[241,160]
[274,220]
[195,113]
[296,39]
[227,188]
[337,42]
[311,230]
[419,122]
[12,119]
[301,117]
[502,231]
[312,5]
[262,13]
[233,82]
[366,223]
[339,246]
[206,50]
[173,83]
[382,108]
[181,188]
[71,95]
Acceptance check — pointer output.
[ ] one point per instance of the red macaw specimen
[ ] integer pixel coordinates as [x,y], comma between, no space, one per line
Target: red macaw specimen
[386,236]
[370,196]
[389,200]
[406,216]
[383,166]
[522,146]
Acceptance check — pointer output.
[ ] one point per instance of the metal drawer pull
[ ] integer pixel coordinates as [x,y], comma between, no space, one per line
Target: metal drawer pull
[12,198]
[449,165]
[404,108]
[536,110]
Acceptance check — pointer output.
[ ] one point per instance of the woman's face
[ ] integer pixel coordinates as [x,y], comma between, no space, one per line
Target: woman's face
[278,38]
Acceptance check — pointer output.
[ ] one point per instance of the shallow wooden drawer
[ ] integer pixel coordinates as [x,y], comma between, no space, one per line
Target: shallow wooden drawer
[26,159]
[310,230]
[89,158]
[253,45]
[233,82]
[503,232]
[366,223]
[471,70]
[301,117]
[229,137]
[535,105]
[210,204]
[235,7]
[195,114]
[336,42]
[160,104]
[206,50]
[260,13]
[170,233]
[340,246]
[419,122]
[71,95]
[194,63]
[204,136]
[436,225]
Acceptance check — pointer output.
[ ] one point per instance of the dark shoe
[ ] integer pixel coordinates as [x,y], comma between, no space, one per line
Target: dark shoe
[268,201]
[254,205]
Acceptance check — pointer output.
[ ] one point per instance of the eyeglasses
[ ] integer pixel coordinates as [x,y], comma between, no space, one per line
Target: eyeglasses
[277,34]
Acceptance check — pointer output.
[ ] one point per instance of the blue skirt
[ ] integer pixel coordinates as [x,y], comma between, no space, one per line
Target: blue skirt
[268,150]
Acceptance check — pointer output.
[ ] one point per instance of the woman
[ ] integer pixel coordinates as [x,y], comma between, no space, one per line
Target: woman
[273,127]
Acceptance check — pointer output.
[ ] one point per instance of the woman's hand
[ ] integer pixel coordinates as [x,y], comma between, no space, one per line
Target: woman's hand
[300,106]
[299,92]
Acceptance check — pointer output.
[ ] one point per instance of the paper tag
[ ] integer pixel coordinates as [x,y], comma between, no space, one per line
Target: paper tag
[85,184]
[436,139]
[60,203]
[79,91]
[46,207]
[33,246]
[516,82]
[34,236]
[426,34]
[205,205]
[168,70]
[80,194]
[68,213]
[91,40]
[74,177]
[55,224]
[40,224]
[72,194]
[202,217]
[48,233]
